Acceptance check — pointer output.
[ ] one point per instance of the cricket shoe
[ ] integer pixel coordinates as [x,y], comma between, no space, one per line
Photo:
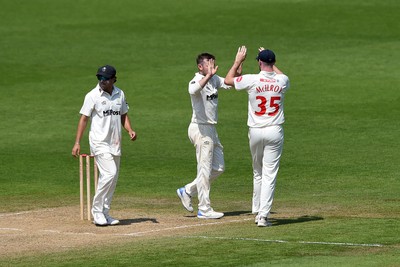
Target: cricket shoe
[257,219]
[185,199]
[111,220]
[263,222]
[99,219]
[209,214]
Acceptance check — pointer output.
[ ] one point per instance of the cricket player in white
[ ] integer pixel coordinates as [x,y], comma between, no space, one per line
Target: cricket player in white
[266,91]
[106,106]
[203,90]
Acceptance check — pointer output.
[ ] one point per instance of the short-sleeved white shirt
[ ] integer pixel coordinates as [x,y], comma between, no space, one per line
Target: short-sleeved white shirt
[205,101]
[105,112]
[266,96]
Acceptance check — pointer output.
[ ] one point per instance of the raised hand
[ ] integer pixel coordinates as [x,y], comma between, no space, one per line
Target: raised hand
[212,69]
[241,54]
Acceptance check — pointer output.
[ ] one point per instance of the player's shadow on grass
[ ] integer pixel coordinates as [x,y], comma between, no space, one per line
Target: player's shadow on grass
[138,220]
[302,219]
[226,214]
[277,221]
[237,213]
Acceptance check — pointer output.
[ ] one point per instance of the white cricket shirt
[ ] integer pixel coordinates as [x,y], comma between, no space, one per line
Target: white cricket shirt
[105,113]
[205,100]
[266,96]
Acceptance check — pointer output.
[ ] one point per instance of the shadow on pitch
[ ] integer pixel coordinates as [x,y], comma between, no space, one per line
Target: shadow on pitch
[237,213]
[302,219]
[138,220]
[226,214]
[277,221]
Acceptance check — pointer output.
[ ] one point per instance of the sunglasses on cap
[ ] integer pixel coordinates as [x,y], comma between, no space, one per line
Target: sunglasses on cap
[102,78]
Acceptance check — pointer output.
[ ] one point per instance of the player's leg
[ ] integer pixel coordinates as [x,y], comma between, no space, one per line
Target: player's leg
[204,180]
[256,149]
[185,193]
[205,155]
[271,160]
[204,172]
[191,188]
[110,193]
[218,162]
[107,172]
[195,138]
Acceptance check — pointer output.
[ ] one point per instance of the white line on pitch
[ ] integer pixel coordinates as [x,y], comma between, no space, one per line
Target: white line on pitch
[51,231]
[285,241]
[22,212]
[11,229]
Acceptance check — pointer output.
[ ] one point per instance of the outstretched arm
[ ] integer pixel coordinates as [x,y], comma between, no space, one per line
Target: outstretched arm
[237,65]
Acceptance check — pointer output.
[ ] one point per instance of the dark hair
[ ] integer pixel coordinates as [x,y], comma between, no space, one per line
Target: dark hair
[203,56]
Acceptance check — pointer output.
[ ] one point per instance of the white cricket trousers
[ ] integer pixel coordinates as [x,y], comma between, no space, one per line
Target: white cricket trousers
[210,162]
[108,166]
[266,145]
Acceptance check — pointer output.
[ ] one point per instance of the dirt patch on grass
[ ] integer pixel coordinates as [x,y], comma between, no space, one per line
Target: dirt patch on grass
[60,229]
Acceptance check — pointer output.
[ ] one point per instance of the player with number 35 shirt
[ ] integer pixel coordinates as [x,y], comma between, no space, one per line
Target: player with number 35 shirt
[266,91]
[266,94]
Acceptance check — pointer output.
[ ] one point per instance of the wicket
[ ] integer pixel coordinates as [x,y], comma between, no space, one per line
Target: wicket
[81,183]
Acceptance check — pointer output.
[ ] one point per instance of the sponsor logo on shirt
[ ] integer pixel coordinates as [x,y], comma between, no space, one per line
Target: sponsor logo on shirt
[212,97]
[267,80]
[111,112]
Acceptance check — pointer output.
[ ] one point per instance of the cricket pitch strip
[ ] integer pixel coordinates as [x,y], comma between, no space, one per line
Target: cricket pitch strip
[60,229]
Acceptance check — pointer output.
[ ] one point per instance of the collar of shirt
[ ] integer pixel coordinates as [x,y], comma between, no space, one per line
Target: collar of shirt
[268,74]
[101,91]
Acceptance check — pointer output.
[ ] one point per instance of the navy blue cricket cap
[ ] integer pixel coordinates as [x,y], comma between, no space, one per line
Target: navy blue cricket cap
[266,56]
[106,71]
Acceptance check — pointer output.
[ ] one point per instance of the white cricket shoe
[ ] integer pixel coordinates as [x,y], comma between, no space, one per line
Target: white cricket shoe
[185,199]
[256,219]
[111,220]
[99,219]
[263,222]
[209,214]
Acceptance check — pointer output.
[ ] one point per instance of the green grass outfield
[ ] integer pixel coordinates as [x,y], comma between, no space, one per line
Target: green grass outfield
[341,154]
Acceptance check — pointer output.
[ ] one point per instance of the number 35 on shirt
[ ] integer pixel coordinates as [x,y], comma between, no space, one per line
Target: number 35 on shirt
[264,103]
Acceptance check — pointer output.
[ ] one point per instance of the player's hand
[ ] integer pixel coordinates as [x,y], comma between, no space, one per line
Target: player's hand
[261,49]
[132,135]
[241,54]
[212,69]
[76,150]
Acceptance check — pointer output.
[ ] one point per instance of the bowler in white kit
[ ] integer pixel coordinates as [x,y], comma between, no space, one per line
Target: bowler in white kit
[203,90]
